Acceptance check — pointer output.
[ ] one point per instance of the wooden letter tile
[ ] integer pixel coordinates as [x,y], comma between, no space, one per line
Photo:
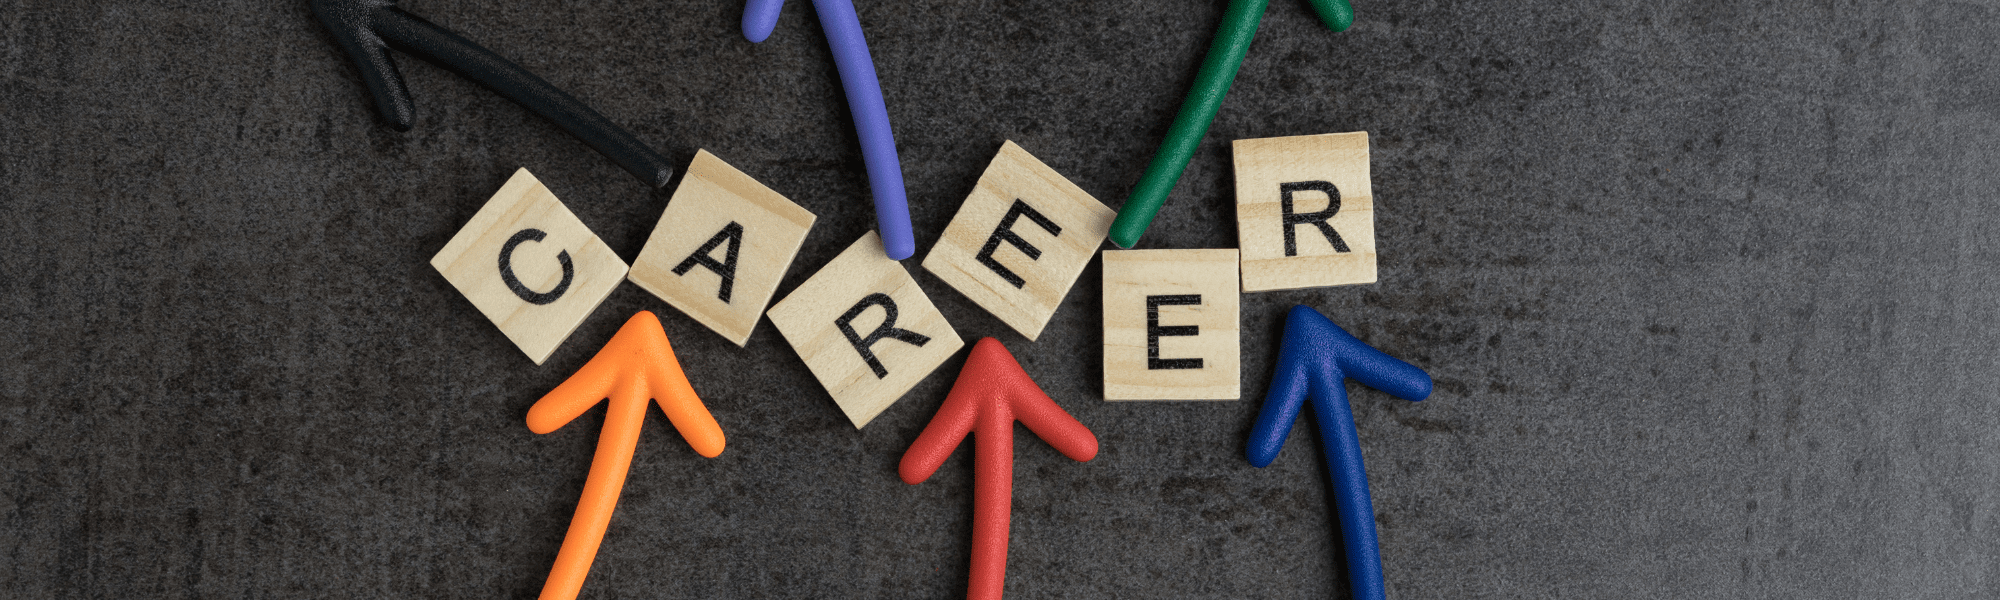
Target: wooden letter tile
[1305,215]
[1170,325]
[1020,240]
[721,247]
[528,264]
[865,329]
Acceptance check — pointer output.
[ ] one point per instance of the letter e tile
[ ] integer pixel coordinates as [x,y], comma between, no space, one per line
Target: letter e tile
[1170,325]
[1020,240]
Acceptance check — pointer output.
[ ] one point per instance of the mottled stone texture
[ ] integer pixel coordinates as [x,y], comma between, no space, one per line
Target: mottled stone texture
[1709,290]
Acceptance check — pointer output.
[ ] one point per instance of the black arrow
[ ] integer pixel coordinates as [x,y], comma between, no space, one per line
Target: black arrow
[366,29]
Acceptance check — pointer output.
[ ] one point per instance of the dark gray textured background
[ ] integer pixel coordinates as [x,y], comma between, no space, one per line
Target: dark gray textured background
[1708,290]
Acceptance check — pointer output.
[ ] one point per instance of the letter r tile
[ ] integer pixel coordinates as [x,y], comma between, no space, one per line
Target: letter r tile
[722,244]
[865,329]
[1020,240]
[1171,325]
[530,266]
[1305,213]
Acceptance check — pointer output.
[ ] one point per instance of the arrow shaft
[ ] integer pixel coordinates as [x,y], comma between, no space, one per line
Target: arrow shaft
[615,445]
[437,45]
[1341,442]
[871,124]
[1211,83]
[992,502]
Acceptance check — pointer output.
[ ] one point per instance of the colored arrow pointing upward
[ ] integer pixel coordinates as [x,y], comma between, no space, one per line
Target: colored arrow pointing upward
[1316,359]
[991,393]
[1211,84]
[365,29]
[864,100]
[635,365]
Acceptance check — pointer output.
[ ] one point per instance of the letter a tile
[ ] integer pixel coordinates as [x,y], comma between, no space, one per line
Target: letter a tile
[1020,240]
[1305,215]
[721,246]
[1170,325]
[530,266]
[865,329]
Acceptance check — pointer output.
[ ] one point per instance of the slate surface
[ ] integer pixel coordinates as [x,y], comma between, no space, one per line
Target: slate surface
[1709,291]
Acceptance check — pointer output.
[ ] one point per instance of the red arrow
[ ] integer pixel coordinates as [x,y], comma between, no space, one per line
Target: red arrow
[991,393]
[636,365]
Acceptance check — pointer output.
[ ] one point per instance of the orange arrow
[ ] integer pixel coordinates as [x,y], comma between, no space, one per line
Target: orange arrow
[635,365]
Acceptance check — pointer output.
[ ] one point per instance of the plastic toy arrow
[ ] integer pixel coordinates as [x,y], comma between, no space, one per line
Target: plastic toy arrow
[991,393]
[1316,359]
[1218,71]
[864,100]
[365,29]
[636,364]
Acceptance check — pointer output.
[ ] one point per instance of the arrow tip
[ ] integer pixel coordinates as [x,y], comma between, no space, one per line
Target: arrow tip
[990,356]
[1302,314]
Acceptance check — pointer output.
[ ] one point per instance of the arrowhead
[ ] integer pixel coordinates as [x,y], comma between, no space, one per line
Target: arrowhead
[993,382]
[1312,339]
[1315,359]
[991,366]
[638,363]
[352,23]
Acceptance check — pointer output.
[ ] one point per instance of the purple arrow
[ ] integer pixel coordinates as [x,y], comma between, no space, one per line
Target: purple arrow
[864,99]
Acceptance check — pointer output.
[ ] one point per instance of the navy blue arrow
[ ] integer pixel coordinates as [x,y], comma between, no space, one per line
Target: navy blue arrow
[1315,360]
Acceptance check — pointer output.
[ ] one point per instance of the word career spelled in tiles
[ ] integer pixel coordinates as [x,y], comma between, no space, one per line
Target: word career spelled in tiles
[1305,214]
[721,247]
[865,329]
[1170,325]
[530,266]
[1020,240]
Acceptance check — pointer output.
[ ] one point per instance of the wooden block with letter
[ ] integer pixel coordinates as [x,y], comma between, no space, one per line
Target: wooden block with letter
[1170,325]
[1020,240]
[865,329]
[721,246]
[530,265]
[1305,216]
